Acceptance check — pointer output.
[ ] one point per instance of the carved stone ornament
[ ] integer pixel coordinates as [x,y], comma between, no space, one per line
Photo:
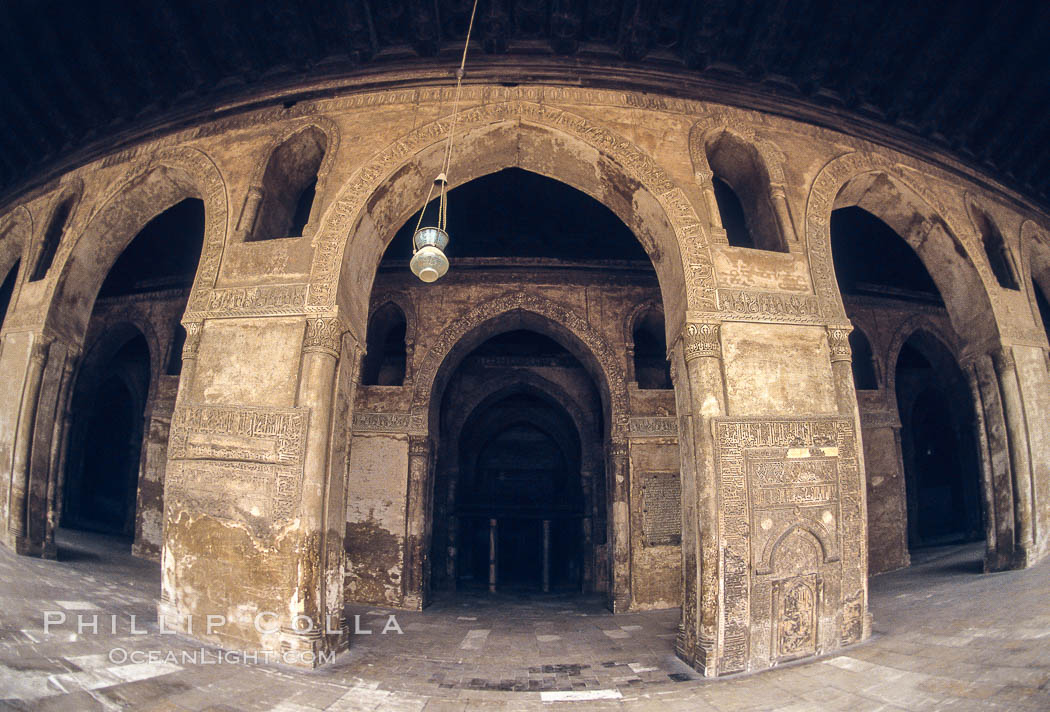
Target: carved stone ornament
[702,340]
[193,340]
[838,342]
[324,334]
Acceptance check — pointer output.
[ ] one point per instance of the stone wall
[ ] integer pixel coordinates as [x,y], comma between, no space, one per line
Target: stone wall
[255,515]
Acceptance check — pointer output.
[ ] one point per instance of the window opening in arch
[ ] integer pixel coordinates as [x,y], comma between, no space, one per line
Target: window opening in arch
[864,376]
[289,186]
[7,290]
[651,368]
[52,238]
[742,194]
[385,360]
[731,212]
[997,252]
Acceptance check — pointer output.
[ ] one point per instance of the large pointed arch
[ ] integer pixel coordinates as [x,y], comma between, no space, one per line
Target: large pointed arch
[873,182]
[382,194]
[168,178]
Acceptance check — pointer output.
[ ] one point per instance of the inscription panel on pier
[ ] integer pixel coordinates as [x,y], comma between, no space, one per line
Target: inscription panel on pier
[237,463]
[781,479]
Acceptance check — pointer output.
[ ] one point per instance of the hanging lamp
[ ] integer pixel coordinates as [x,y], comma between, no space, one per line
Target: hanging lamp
[429,262]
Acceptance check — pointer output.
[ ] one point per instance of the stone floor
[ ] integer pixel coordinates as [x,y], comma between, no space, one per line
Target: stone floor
[946,638]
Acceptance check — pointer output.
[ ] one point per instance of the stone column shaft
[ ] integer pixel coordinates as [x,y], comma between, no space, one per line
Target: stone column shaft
[23,446]
[56,478]
[702,354]
[546,555]
[415,526]
[620,516]
[321,346]
[1017,439]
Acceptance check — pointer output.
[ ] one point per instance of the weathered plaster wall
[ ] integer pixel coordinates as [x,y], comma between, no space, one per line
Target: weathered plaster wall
[643,156]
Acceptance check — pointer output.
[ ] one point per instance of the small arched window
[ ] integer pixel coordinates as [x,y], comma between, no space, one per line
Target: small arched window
[7,290]
[651,369]
[289,186]
[385,359]
[52,238]
[864,374]
[996,250]
[742,193]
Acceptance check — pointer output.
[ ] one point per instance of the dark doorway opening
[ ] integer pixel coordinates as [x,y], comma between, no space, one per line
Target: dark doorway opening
[106,439]
[942,471]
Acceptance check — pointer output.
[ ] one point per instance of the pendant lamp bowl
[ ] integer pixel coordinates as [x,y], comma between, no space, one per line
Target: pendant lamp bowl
[429,262]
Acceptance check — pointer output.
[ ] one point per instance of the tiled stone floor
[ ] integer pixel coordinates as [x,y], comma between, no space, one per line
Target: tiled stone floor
[946,638]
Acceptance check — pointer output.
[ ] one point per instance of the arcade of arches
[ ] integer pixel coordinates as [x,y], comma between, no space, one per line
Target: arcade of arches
[685,357]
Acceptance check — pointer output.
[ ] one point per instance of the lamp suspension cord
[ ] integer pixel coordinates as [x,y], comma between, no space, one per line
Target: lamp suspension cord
[443,176]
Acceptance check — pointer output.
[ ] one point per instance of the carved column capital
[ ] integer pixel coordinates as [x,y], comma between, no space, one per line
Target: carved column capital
[838,343]
[702,340]
[324,334]
[704,176]
[193,340]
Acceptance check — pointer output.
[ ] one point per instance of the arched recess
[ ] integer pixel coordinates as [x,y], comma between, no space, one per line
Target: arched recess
[283,198]
[60,216]
[510,312]
[109,403]
[382,195]
[871,182]
[15,233]
[865,371]
[742,177]
[586,424]
[385,362]
[169,178]
[995,248]
[522,310]
[647,361]
[943,474]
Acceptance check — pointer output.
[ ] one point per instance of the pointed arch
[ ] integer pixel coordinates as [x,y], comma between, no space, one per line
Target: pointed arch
[872,182]
[168,178]
[382,194]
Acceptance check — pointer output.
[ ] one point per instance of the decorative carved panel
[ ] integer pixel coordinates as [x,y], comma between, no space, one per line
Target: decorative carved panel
[241,464]
[661,509]
[792,537]
[654,426]
[413,423]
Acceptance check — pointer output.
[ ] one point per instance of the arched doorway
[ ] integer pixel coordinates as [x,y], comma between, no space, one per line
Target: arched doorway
[940,455]
[106,440]
[113,478]
[515,472]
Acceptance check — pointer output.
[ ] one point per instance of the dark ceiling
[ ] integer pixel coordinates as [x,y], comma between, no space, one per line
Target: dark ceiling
[82,78]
